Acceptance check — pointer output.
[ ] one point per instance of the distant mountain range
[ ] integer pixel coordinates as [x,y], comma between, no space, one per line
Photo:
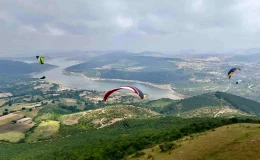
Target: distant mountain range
[244,58]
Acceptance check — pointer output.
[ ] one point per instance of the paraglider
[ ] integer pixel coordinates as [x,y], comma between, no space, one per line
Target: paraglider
[41,61]
[42,77]
[233,70]
[134,89]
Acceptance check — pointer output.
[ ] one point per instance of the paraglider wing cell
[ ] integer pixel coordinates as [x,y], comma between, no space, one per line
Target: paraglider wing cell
[137,91]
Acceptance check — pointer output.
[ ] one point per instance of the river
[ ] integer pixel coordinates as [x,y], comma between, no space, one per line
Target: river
[80,82]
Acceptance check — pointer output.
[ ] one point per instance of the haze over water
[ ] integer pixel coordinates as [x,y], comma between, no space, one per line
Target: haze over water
[79,82]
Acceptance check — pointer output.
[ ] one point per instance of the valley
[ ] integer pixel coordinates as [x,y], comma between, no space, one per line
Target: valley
[46,119]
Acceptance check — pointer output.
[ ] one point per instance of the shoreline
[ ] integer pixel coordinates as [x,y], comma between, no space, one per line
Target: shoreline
[167,87]
[45,70]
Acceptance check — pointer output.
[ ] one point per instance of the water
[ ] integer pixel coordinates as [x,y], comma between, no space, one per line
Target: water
[79,82]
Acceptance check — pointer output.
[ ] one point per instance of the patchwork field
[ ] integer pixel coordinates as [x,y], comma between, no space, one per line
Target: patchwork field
[14,132]
[19,106]
[8,118]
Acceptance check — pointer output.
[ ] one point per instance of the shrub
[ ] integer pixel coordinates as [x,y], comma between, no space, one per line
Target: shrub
[167,147]
[5,113]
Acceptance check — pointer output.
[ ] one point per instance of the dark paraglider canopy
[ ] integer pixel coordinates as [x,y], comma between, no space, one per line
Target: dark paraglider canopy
[233,70]
[236,82]
[43,77]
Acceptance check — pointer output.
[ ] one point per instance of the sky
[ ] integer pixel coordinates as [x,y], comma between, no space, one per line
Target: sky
[133,25]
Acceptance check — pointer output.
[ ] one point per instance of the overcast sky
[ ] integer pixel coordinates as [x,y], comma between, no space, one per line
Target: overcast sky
[134,25]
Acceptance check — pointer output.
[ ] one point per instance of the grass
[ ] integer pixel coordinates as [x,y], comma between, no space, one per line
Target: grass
[108,115]
[11,136]
[30,114]
[45,130]
[2,101]
[233,142]
[160,103]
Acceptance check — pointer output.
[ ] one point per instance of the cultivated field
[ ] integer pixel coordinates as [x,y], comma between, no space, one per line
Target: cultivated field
[45,130]
[8,118]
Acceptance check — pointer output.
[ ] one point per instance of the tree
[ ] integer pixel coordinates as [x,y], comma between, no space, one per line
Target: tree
[5,113]
[10,104]
[52,101]
[30,109]
[23,108]
[6,109]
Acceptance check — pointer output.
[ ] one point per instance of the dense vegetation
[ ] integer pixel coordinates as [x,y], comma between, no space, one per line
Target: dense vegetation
[165,70]
[243,104]
[115,141]
[17,67]
[213,99]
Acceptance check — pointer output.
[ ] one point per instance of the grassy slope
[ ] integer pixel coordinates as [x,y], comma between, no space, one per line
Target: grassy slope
[44,131]
[108,115]
[233,142]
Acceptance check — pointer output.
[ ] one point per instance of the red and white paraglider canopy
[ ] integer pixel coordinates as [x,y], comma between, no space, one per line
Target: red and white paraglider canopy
[134,89]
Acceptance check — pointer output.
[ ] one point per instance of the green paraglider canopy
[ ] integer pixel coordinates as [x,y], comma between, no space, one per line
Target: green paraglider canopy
[40,59]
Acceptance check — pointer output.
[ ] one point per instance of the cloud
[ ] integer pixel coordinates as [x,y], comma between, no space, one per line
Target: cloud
[124,22]
[166,25]
[55,31]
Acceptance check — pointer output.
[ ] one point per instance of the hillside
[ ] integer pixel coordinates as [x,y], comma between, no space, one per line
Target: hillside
[233,142]
[244,58]
[129,67]
[113,142]
[211,104]
[107,116]
[17,67]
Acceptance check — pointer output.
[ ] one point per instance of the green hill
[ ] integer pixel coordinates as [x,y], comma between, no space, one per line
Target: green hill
[17,67]
[211,104]
[128,67]
[16,71]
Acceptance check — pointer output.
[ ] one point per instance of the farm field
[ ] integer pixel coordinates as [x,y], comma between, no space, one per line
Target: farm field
[45,130]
